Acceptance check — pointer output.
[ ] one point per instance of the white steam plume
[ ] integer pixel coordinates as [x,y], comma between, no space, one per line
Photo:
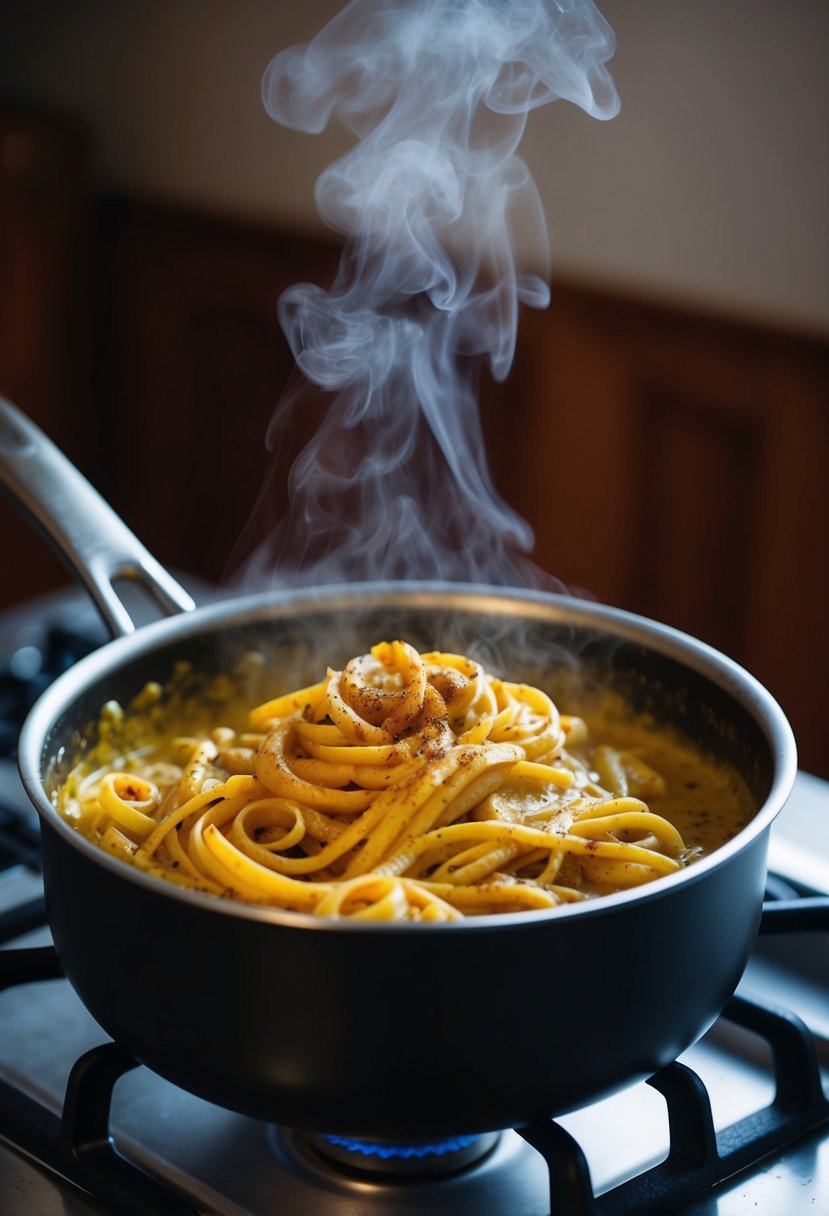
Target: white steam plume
[394,484]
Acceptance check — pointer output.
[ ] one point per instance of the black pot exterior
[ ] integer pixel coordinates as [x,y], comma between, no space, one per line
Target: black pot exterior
[402,1033]
[384,1031]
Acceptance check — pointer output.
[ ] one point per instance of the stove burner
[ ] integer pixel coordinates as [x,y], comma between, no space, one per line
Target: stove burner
[416,1159]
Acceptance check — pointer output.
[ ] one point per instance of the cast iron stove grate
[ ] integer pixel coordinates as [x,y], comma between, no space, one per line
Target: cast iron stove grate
[19,846]
[78,1144]
[29,671]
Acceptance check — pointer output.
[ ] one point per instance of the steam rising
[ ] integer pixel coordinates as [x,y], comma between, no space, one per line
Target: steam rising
[394,484]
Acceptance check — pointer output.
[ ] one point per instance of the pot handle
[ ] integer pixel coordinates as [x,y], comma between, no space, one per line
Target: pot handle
[95,543]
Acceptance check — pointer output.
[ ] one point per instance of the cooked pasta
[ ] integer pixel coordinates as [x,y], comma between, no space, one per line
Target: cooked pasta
[406,786]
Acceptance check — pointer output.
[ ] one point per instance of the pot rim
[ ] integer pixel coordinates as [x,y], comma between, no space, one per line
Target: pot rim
[261,607]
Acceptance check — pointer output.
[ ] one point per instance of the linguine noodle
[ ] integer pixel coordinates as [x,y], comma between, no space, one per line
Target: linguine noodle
[407,786]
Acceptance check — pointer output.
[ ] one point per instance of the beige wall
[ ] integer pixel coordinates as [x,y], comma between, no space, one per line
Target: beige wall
[710,187]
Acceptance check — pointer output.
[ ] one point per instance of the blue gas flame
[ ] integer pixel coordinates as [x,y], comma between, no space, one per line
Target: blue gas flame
[403,1152]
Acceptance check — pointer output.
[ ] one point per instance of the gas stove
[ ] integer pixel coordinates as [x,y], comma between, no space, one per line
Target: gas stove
[739,1123]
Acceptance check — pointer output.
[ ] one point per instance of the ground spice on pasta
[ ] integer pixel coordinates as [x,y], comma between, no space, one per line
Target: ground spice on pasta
[406,786]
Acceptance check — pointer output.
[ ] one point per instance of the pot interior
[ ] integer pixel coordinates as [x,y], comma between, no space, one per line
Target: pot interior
[583,655]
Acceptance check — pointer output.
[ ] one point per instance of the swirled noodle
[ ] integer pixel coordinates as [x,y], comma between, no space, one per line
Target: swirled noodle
[407,786]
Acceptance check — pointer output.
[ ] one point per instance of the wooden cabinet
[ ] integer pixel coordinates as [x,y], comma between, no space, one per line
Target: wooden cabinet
[193,365]
[44,209]
[678,466]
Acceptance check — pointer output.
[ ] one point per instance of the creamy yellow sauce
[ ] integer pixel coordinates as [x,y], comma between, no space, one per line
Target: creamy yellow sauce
[406,786]
[707,801]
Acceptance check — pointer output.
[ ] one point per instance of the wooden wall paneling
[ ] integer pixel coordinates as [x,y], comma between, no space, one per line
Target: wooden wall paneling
[197,366]
[671,464]
[786,633]
[701,421]
[754,423]
[44,188]
[696,486]
[573,481]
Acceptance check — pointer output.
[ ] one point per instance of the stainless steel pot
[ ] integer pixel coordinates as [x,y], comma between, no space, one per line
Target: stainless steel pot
[390,1030]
